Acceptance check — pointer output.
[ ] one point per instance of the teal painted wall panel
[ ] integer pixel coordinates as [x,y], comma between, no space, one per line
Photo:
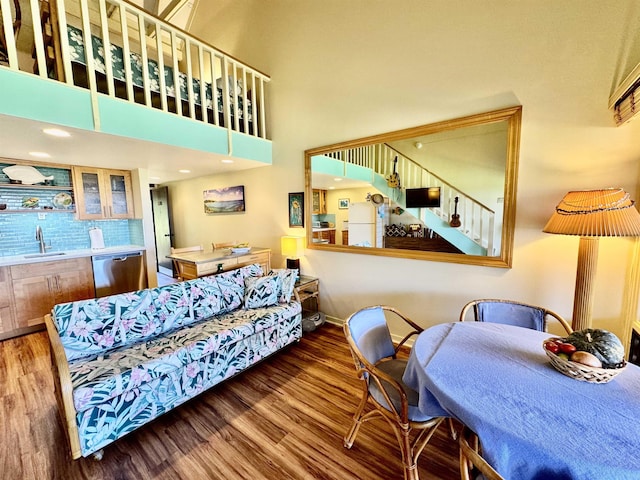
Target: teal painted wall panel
[359,173]
[252,148]
[119,117]
[327,165]
[29,96]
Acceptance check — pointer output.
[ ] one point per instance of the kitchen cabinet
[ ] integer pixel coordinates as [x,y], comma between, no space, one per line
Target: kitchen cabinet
[319,201]
[7,319]
[102,193]
[37,287]
[328,234]
[56,196]
[345,237]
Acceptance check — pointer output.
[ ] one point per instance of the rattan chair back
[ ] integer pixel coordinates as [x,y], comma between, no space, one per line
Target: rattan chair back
[512,312]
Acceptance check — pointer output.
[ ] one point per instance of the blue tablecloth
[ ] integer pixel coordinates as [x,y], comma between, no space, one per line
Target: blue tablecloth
[533,421]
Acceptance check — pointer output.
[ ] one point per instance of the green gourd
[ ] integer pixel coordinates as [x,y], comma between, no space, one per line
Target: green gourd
[601,343]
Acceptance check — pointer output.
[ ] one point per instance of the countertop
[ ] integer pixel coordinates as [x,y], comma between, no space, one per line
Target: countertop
[213,255]
[67,254]
[325,229]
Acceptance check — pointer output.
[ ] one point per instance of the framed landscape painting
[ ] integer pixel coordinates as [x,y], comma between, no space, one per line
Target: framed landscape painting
[296,209]
[224,200]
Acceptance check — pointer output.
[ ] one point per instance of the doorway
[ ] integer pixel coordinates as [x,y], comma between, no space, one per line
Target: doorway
[162,228]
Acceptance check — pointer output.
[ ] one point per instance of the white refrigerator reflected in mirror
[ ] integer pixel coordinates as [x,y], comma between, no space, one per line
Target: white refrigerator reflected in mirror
[367,222]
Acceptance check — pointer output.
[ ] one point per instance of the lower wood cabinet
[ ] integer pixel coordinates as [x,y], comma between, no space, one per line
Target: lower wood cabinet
[7,319]
[37,287]
[328,235]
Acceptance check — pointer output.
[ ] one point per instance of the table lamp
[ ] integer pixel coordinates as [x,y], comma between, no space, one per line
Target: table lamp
[292,248]
[592,214]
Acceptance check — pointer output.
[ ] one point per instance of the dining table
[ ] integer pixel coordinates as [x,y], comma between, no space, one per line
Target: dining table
[533,422]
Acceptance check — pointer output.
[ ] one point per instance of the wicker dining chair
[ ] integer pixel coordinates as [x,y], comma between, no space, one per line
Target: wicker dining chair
[381,373]
[471,461]
[507,312]
[512,313]
[218,245]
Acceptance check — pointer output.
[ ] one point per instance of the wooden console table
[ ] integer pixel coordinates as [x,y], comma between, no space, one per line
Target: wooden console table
[198,264]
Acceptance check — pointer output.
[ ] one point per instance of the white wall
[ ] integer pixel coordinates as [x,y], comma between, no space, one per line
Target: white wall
[342,70]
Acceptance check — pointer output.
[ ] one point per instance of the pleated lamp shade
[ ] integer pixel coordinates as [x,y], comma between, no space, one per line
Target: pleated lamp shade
[595,213]
[592,214]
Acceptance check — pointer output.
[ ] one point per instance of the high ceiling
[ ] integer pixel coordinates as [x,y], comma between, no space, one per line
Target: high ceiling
[19,136]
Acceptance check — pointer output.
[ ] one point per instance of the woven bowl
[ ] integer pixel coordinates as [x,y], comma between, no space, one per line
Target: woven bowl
[582,372]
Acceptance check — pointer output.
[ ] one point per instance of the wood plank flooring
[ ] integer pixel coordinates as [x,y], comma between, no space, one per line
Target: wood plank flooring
[284,418]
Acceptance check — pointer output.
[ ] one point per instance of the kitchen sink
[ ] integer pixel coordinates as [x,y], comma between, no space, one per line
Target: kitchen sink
[40,255]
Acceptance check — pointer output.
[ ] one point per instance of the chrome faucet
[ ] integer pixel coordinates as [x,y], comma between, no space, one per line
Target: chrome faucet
[40,238]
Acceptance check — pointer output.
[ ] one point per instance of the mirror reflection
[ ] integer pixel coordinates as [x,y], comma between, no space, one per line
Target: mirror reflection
[443,191]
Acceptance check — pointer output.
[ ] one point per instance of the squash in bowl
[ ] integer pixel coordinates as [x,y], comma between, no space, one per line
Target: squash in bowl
[590,355]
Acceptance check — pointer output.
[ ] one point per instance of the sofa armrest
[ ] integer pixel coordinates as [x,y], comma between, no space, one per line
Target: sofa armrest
[63,387]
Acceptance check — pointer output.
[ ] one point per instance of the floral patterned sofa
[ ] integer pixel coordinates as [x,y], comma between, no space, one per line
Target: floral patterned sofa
[125,359]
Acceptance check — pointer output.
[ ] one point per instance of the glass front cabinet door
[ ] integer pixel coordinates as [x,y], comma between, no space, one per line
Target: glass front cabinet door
[102,193]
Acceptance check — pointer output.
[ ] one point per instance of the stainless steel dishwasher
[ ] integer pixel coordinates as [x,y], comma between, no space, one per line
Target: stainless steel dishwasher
[118,273]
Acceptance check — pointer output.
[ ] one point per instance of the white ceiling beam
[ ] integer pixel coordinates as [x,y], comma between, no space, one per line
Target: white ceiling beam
[171,9]
[151,6]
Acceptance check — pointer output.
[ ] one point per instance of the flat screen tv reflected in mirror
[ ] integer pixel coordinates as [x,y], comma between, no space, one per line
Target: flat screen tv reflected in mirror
[423,197]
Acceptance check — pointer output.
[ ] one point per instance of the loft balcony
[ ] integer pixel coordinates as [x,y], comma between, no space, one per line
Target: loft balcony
[158,83]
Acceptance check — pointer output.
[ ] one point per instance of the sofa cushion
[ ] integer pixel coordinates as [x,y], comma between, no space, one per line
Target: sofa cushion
[288,278]
[90,327]
[206,297]
[181,304]
[96,381]
[231,285]
[173,306]
[262,291]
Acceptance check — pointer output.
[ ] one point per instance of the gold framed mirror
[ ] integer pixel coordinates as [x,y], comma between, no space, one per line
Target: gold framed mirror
[444,192]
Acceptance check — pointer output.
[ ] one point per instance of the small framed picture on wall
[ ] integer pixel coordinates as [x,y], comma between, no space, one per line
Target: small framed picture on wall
[296,209]
[343,203]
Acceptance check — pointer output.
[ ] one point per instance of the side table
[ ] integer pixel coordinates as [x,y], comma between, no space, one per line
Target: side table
[308,289]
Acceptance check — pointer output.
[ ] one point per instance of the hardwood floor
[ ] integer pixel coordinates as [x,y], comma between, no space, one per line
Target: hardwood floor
[284,418]
[165,279]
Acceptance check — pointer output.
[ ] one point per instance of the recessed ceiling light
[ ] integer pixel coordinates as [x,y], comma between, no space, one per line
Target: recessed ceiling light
[226,160]
[337,179]
[332,188]
[39,154]
[56,132]
[184,171]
